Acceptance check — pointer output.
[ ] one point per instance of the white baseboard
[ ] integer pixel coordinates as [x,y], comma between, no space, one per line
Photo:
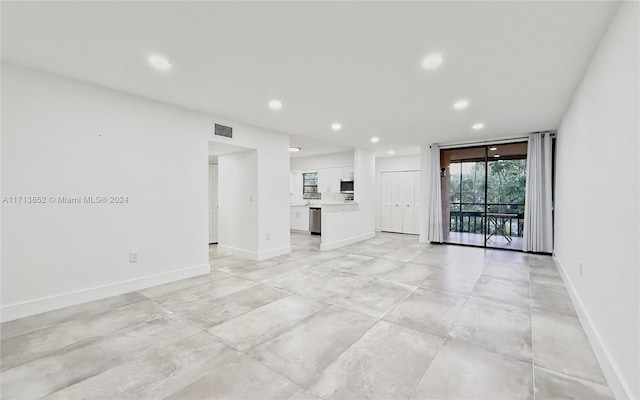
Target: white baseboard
[254,255]
[249,255]
[609,368]
[263,255]
[44,304]
[344,242]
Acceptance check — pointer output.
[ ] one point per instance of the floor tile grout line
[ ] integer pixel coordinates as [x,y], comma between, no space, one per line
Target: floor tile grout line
[356,340]
[89,340]
[444,340]
[533,363]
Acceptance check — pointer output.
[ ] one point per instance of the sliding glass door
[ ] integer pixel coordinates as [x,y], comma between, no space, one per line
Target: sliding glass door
[483,195]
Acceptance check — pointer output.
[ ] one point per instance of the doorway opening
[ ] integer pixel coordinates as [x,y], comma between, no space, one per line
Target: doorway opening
[233,185]
[483,195]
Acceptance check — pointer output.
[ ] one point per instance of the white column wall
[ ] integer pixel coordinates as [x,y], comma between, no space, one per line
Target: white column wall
[597,199]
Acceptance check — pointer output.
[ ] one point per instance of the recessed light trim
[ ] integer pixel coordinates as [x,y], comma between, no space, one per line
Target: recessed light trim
[375,139]
[391,152]
[432,61]
[159,62]
[275,104]
[336,126]
[294,149]
[461,104]
[493,148]
[478,126]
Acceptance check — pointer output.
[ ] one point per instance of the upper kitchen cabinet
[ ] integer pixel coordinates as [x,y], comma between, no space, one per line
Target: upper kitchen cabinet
[347,173]
[329,178]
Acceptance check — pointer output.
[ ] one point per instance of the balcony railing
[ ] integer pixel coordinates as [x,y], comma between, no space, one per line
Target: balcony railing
[511,217]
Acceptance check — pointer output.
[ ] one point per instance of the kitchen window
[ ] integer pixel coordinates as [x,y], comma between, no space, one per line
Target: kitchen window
[310,185]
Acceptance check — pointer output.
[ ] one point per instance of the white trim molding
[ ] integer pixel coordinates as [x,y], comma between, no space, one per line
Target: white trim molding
[55,302]
[609,368]
[254,255]
[348,241]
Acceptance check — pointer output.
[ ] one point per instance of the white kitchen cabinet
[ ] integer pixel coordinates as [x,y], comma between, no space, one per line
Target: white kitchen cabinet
[300,218]
[400,202]
[324,180]
[329,178]
[347,173]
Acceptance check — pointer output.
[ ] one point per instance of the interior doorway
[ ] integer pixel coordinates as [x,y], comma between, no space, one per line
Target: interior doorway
[213,201]
[484,195]
[233,187]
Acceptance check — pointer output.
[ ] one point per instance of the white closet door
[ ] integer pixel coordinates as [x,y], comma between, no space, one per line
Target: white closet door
[386,204]
[397,196]
[408,211]
[417,195]
[213,203]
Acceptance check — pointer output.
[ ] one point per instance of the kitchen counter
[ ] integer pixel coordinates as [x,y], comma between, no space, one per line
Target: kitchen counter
[323,204]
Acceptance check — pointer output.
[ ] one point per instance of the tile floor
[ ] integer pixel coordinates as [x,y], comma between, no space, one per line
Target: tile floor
[388,318]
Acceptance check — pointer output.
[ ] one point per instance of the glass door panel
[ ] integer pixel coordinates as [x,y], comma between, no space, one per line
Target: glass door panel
[483,195]
[466,184]
[506,187]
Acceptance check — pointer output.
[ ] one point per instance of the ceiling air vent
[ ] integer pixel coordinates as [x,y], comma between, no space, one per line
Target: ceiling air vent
[222,130]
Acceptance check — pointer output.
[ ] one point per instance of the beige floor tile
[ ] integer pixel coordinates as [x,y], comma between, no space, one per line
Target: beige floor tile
[387,362]
[560,344]
[263,323]
[33,345]
[239,378]
[552,385]
[464,371]
[156,376]
[427,311]
[303,351]
[375,299]
[495,326]
[61,369]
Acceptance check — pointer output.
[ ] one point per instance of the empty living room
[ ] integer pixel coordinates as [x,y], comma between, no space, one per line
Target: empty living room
[320,200]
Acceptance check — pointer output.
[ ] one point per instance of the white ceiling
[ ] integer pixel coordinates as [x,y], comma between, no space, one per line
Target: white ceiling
[357,63]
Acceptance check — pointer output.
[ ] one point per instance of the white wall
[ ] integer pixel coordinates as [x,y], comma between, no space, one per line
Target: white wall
[425,171]
[597,202]
[391,164]
[64,137]
[347,224]
[238,202]
[273,196]
[312,163]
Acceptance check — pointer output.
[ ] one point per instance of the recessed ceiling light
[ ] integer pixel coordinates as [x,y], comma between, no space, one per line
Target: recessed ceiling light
[392,152]
[294,149]
[460,104]
[336,126]
[493,148]
[478,126]
[375,140]
[496,155]
[432,61]
[275,104]
[159,62]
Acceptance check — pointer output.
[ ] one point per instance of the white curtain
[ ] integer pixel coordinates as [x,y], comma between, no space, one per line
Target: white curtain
[538,229]
[434,205]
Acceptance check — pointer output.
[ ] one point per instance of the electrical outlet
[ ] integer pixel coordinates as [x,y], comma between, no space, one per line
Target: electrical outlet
[133,256]
[268,236]
[580,268]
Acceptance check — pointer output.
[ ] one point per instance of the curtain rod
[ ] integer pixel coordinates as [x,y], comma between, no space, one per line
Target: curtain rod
[492,141]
